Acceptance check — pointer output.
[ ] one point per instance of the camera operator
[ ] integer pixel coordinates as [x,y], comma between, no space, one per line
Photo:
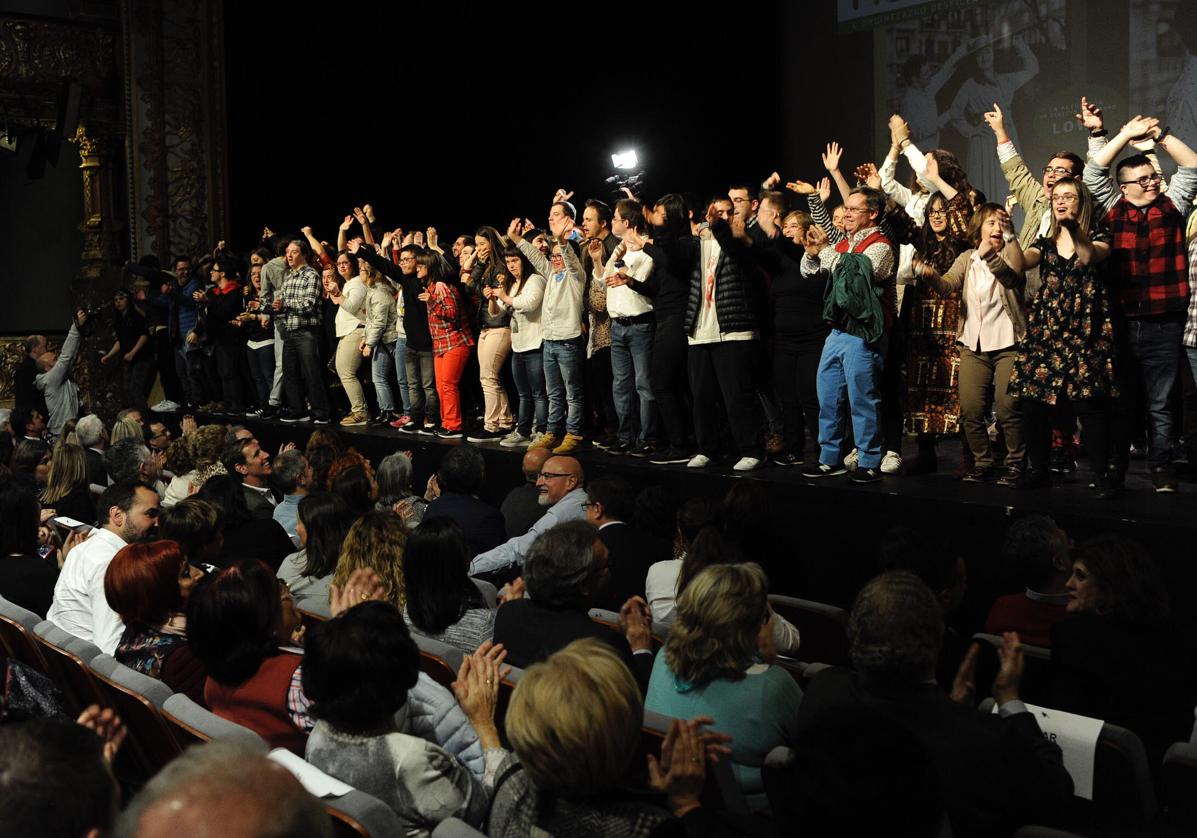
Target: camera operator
[54,381]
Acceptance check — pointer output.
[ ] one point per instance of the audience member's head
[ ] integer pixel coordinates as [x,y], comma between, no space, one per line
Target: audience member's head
[197,526]
[436,562]
[90,431]
[559,476]
[54,781]
[132,414]
[895,630]
[31,457]
[1036,552]
[248,460]
[1113,577]
[128,459]
[461,471]
[291,473]
[358,667]
[748,520]
[533,462]
[225,492]
[207,443]
[127,428]
[656,512]
[27,422]
[323,519]
[376,541]
[355,485]
[223,789]
[611,499]
[157,436]
[20,512]
[148,583]
[178,456]
[943,570]
[237,618]
[574,720]
[237,433]
[394,479]
[68,472]
[130,509]
[693,516]
[567,565]
[720,615]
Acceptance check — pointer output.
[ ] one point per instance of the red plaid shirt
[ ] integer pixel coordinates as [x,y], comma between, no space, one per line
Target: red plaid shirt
[1148,257]
[446,320]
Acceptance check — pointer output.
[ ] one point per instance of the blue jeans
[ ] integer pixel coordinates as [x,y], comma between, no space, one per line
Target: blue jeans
[850,369]
[382,361]
[401,372]
[1150,358]
[305,372]
[261,368]
[563,381]
[631,350]
[528,370]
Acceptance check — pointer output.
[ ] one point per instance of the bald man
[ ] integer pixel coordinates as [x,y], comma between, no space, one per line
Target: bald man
[559,490]
[521,508]
[222,789]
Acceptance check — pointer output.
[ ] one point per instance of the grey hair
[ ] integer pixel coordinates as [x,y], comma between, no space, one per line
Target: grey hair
[560,563]
[289,466]
[124,459]
[89,429]
[393,478]
[895,630]
[213,773]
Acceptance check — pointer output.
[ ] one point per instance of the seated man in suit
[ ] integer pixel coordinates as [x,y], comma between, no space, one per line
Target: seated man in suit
[997,771]
[94,439]
[248,460]
[454,491]
[566,568]
[611,504]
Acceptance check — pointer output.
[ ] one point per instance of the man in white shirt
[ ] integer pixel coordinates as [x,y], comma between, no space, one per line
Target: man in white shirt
[128,513]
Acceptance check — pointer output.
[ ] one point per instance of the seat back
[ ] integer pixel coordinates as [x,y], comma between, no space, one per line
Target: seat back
[16,635]
[455,828]
[720,792]
[310,619]
[610,619]
[67,658]
[506,688]
[191,724]
[138,700]
[1035,686]
[353,813]
[1178,782]
[490,594]
[439,661]
[824,628]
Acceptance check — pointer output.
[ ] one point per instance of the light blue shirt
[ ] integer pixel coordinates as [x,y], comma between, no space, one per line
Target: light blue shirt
[572,507]
[287,514]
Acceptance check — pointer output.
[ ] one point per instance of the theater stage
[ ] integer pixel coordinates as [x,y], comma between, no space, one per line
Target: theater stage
[829,529]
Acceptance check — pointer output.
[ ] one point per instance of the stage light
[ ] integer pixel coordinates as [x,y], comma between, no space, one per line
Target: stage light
[625,159]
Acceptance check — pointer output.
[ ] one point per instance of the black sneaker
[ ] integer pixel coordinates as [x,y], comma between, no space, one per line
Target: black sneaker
[445,433]
[865,475]
[483,435]
[617,448]
[324,420]
[642,450]
[428,430]
[411,428]
[268,412]
[1109,486]
[671,456]
[978,474]
[293,418]
[1163,481]
[816,470]
[787,459]
[606,441]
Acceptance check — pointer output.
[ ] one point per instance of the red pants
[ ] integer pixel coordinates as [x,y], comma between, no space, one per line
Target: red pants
[448,369]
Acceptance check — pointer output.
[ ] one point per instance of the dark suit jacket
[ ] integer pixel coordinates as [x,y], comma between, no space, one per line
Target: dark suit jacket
[996,773]
[629,555]
[481,523]
[531,631]
[96,472]
[259,507]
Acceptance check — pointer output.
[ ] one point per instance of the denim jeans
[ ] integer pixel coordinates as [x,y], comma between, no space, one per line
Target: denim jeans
[261,367]
[1150,355]
[850,369]
[305,372]
[631,351]
[400,359]
[421,385]
[190,368]
[563,381]
[528,370]
[276,387]
[382,361]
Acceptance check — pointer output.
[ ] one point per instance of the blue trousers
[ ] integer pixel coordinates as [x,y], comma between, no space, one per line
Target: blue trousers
[631,350]
[850,370]
[563,381]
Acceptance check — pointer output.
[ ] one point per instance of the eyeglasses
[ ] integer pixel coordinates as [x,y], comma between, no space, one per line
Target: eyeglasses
[943,213]
[1058,170]
[403,259]
[855,209]
[1145,181]
[1065,198]
[549,475]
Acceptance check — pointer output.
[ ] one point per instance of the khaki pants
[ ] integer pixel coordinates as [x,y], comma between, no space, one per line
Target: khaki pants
[494,345]
[983,373]
[349,358]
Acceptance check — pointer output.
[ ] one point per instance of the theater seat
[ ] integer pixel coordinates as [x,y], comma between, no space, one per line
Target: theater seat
[191,724]
[506,688]
[490,594]
[824,628]
[440,661]
[721,790]
[138,700]
[1035,687]
[610,619]
[455,828]
[354,814]
[67,657]
[1178,782]
[16,635]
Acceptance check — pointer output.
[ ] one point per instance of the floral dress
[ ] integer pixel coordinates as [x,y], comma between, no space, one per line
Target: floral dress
[1069,347]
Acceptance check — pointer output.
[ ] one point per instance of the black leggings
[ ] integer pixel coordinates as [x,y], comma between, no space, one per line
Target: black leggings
[668,377]
[1096,417]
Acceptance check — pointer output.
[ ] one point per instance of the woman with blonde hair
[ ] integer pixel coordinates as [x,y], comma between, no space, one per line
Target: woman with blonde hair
[67,491]
[126,428]
[717,663]
[204,446]
[376,541]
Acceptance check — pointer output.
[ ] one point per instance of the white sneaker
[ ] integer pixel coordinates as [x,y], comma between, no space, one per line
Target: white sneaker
[699,461]
[515,440]
[165,406]
[852,460]
[746,464]
[891,463]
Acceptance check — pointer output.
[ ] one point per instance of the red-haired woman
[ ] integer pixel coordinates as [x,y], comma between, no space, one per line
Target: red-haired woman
[148,584]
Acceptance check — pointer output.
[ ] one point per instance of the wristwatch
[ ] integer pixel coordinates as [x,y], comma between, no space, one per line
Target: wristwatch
[1008,237]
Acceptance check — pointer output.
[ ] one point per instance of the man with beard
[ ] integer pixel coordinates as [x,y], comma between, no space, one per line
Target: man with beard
[128,513]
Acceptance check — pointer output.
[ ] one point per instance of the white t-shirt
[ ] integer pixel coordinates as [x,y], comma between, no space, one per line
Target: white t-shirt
[80,607]
[706,329]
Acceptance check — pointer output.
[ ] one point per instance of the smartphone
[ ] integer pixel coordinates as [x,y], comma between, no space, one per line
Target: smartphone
[71,525]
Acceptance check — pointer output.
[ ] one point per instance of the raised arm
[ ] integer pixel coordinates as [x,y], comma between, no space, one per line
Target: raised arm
[1184,182]
[831,162]
[343,231]
[316,245]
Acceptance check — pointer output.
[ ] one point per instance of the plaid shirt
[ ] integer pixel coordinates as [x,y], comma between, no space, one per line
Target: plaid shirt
[445,320]
[1190,338]
[1148,257]
[301,299]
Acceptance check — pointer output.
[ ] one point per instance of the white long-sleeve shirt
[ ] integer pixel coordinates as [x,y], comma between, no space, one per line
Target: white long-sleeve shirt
[80,607]
[561,309]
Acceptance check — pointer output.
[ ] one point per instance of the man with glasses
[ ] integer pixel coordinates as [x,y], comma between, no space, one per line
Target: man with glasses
[1151,271]
[559,488]
[158,438]
[128,513]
